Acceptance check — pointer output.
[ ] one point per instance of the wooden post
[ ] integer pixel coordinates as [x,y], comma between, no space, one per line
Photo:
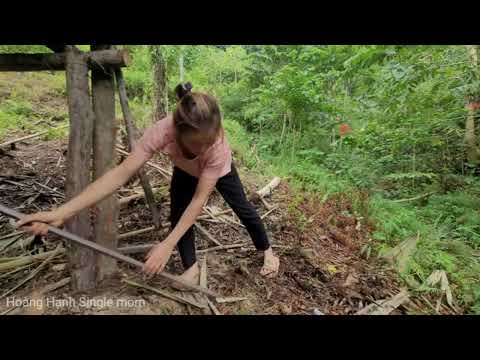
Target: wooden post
[132,136]
[78,165]
[104,140]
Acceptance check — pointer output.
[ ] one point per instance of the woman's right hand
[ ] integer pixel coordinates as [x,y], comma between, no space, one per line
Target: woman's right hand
[38,222]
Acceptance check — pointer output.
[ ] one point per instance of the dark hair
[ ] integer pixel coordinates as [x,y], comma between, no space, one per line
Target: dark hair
[196,113]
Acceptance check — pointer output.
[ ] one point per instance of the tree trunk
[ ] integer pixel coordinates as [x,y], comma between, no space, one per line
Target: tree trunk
[473,151]
[160,83]
[78,165]
[57,61]
[104,140]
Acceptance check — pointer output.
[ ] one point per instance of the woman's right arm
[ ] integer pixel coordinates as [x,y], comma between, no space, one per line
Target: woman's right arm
[95,192]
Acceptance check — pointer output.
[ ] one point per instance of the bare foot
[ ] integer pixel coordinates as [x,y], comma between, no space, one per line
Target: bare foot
[271,263]
[190,276]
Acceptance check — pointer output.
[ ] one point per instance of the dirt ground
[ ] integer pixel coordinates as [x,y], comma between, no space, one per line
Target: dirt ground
[323,268]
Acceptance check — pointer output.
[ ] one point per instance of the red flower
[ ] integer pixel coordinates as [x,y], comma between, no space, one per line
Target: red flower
[473,106]
[344,129]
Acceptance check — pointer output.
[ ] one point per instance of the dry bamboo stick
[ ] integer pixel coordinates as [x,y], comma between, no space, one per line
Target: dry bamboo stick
[165,294]
[213,307]
[222,300]
[207,234]
[136,232]
[269,212]
[35,272]
[10,142]
[162,171]
[24,260]
[11,235]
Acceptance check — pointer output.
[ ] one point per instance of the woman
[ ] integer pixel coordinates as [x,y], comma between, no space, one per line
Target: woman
[194,140]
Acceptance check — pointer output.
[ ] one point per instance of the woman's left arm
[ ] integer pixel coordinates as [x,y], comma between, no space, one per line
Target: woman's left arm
[158,256]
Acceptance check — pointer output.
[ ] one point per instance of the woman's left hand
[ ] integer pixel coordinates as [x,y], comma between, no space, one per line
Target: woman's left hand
[157,258]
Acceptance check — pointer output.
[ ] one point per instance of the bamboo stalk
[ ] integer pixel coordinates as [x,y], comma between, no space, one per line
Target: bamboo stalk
[35,272]
[165,294]
[24,260]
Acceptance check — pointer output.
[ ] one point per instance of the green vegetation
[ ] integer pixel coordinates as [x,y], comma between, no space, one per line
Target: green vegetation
[284,108]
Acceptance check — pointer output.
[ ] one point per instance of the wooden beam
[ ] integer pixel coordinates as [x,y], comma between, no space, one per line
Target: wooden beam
[78,160]
[104,159]
[57,61]
[57,48]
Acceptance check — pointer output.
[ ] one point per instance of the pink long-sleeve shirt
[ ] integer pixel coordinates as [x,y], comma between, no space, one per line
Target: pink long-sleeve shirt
[214,163]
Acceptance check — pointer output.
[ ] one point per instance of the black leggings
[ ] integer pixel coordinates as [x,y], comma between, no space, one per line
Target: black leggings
[230,187]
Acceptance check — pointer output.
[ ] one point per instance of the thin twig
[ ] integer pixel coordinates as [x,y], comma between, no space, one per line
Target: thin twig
[269,212]
[414,198]
[136,232]
[30,136]
[213,307]
[207,234]
[162,171]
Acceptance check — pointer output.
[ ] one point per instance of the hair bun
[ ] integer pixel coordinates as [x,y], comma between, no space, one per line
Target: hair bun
[182,89]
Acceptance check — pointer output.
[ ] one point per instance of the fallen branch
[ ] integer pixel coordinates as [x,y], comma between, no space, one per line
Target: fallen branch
[136,232]
[165,294]
[207,234]
[146,247]
[266,204]
[213,215]
[385,307]
[35,272]
[222,300]
[125,200]
[55,286]
[213,307]
[269,212]
[135,249]
[402,252]
[49,188]
[414,198]
[267,190]
[222,247]
[10,142]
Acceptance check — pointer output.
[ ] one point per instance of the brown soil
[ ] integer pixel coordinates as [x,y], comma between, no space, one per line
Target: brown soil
[321,263]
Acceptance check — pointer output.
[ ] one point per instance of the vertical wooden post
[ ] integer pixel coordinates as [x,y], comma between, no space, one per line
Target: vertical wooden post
[104,139]
[78,165]
[132,135]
